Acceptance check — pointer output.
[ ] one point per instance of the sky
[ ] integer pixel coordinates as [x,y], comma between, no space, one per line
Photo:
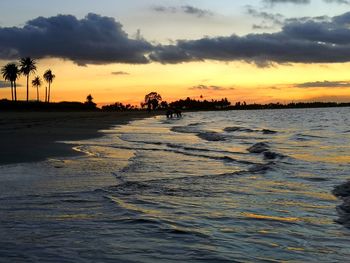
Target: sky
[255,50]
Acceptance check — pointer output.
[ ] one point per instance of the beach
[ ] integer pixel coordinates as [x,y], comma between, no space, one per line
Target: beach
[35,136]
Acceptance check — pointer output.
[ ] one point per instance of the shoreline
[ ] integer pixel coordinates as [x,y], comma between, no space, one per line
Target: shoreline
[36,136]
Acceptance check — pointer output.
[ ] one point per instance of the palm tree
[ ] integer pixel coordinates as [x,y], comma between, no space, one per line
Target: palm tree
[36,82]
[11,72]
[6,74]
[49,77]
[27,66]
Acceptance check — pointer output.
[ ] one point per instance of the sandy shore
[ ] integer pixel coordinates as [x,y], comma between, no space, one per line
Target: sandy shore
[33,136]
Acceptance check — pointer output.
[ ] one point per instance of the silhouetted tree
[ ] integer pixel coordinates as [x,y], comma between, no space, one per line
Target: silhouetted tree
[27,66]
[89,102]
[49,77]
[11,73]
[6,74]
[36,82]
[152,100]
[192,104]
[164,105]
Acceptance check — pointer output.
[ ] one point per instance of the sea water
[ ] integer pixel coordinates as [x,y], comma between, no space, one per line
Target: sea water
[225,186]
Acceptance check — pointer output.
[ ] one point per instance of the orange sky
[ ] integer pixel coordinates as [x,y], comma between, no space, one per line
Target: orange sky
[238,81]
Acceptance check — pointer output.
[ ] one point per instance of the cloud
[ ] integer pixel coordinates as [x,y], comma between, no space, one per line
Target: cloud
[324,84]
[273,2]
[120,73]
[212,88]
[308,41]
[94,39]
[101,40]
[185,9]
[7,84]
[196,11]
[269,20]
[276,18]
[338,1]
[4,84]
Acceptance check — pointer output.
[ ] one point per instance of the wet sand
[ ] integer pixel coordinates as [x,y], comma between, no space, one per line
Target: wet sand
[35,136]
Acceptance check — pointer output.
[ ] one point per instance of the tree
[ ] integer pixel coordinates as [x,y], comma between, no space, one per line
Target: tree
[27,66]
[36,82]
[152,100]
[89,102]
[89,99]
[49,77]
[11,73]
[164,105]
[6,74]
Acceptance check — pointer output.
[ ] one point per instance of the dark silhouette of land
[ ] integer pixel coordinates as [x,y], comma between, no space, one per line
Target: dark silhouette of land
[212,105]
[6,105]
[224,104]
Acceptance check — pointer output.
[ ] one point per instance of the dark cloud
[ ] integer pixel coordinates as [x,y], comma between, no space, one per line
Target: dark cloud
[186,9]
[92,40]
[212,88]
[324,84]
[101,40]
[312,41]
[120,73]
[171,54]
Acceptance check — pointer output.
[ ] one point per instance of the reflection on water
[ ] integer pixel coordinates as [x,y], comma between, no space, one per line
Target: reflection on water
[246,186]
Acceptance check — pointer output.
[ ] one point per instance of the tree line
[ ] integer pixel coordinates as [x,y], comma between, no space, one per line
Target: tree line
[27,66]
[153,101]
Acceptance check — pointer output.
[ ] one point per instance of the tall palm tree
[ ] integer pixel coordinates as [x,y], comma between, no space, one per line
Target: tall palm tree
[36,82]
[27,66]
[11,72]
[49,77]
[6,74]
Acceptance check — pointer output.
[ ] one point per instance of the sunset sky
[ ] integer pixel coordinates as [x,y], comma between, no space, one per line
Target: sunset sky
[252,50]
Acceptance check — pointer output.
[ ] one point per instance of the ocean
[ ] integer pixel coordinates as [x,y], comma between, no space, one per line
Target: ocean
[224,186]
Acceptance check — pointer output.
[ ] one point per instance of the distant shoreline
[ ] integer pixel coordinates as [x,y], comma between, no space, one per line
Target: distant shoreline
[34,136]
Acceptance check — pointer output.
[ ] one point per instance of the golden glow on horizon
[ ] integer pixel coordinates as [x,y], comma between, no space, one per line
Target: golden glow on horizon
[238,81]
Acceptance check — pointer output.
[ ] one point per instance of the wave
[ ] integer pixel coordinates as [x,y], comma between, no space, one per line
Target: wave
[264,167]
[216,136]
[272,155]
[243,129]
[267,131]
[259,147]
[343,192]
[264,148]
[205,135]
[189,151]
[238,129]
[212,136]
[186,129]
[306,137]
[186,148]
